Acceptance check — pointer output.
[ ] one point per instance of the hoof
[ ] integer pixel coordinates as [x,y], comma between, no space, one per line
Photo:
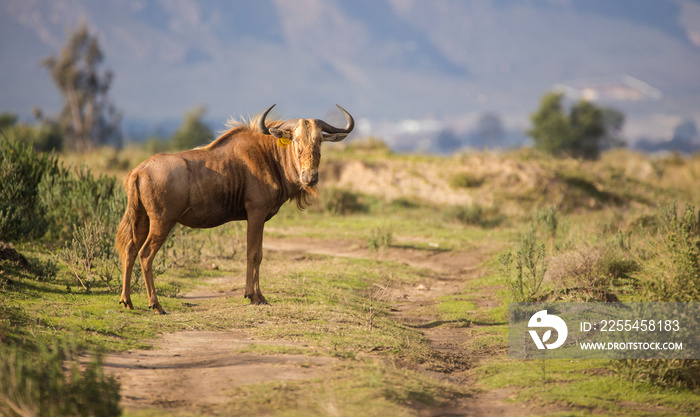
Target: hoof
[127,304]
[157,309]
[257,299]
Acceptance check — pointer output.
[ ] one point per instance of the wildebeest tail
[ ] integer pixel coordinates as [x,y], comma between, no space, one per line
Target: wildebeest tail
[126,230]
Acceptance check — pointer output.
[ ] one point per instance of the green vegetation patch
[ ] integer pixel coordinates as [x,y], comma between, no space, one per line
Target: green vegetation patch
[35,382]
[585,386]
[59,309]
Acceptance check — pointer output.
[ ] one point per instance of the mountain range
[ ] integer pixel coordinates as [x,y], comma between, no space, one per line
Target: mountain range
[393,64]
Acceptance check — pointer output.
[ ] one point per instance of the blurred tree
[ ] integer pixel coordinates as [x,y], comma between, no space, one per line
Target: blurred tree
[193,132]
[88,117]
[613,121]
[587,130]
[584,132]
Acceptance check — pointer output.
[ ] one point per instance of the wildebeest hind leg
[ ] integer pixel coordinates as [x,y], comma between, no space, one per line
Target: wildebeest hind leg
[157,234]
[131,250]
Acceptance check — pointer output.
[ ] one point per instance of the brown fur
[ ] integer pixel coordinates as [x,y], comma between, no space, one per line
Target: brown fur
[242,175]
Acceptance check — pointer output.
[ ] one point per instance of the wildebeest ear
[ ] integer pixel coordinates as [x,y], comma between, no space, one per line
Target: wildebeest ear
[279,133]
[335,137]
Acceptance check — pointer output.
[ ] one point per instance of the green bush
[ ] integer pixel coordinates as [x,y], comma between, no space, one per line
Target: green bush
[36,384]
[675,276]
[525,282]
[22,216]
[473,215]
[548,219]
[44,137]
[156,145]
[379,239]
[193,131]
[405,203]
[341,202]
[591,273]
[182,249]
[466,180]
[91,256]
[672,373]
[39,197]
[672,274]
[71,200]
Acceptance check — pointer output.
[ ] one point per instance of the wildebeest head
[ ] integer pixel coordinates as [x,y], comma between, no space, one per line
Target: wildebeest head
[306,136]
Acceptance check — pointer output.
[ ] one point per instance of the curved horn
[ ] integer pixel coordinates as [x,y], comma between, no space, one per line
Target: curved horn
[261,121]
[348,128]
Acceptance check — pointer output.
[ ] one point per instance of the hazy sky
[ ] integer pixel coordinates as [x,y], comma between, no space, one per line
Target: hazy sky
[384,60]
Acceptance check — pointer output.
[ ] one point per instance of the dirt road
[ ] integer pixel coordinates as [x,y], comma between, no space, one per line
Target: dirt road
[196,370]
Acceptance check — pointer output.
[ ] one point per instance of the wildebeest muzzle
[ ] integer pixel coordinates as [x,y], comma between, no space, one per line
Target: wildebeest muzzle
[309,180]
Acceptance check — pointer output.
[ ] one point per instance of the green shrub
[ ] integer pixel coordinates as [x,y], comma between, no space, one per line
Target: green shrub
[672,373]
[473,215]
[193,131]
[39,197]
[44,137]
[675,274]
[91,256]
[182,249]
[43,270]
[672,274]
[466,180]
[590,273]
[157,145]
[36,384]
[405,203]
[379,239]
[525,282]
[83,212]
[22,216]
[341,202]
[72,199]
[548,219]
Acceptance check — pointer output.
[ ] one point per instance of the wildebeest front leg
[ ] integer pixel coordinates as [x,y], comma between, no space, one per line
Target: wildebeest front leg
[256,225]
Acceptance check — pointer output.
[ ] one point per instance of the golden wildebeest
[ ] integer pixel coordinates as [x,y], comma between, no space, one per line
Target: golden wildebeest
[245,174]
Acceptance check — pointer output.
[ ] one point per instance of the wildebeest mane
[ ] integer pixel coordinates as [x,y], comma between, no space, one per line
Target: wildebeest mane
[234,126]
[306,195]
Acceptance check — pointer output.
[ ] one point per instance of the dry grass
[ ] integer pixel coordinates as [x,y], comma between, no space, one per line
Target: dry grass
[590,272]
[579,273]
